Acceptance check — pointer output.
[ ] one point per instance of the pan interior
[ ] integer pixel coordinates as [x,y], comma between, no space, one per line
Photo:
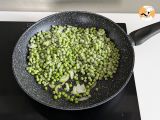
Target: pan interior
[107,89]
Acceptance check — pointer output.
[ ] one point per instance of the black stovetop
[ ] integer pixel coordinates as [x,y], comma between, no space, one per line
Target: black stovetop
[16,105]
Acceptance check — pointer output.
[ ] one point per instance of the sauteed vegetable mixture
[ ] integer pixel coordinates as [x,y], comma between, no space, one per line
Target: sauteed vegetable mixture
[69,60]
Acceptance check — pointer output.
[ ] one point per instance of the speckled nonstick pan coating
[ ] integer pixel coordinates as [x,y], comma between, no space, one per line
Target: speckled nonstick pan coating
[107,89]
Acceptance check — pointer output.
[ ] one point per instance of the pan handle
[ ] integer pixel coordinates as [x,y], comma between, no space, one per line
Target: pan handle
[141,35]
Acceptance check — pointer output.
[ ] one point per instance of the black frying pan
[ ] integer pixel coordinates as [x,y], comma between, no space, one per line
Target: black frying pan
[107,89]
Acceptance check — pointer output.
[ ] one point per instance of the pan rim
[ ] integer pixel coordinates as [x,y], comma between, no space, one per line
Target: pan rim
[79,108]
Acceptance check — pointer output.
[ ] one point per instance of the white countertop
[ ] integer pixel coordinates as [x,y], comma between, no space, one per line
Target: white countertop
[147,60]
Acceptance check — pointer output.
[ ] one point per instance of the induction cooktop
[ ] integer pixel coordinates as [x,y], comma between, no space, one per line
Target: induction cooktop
[16,105]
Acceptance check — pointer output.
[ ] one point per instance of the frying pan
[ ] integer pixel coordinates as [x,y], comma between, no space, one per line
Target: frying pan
[107,89]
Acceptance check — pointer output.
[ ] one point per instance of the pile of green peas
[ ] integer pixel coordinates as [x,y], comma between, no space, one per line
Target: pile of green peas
[69,60]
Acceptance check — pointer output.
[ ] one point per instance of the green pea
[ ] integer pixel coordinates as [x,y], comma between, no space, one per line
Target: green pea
[55,97]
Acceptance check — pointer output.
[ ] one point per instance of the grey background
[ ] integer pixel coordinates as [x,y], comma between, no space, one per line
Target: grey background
[127,6]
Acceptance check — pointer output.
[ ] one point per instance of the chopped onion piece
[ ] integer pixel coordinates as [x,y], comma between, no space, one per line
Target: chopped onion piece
[94,84]
[64,78]
[51,86]
[74,91]
[67,87]
[32,45]
[57,87]
[84,98]
[79,89]
[71,74]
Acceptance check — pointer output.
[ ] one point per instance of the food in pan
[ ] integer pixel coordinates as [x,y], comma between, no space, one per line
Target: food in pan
[69,60]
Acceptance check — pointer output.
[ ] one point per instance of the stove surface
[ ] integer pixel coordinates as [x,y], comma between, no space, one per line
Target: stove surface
[16,105]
